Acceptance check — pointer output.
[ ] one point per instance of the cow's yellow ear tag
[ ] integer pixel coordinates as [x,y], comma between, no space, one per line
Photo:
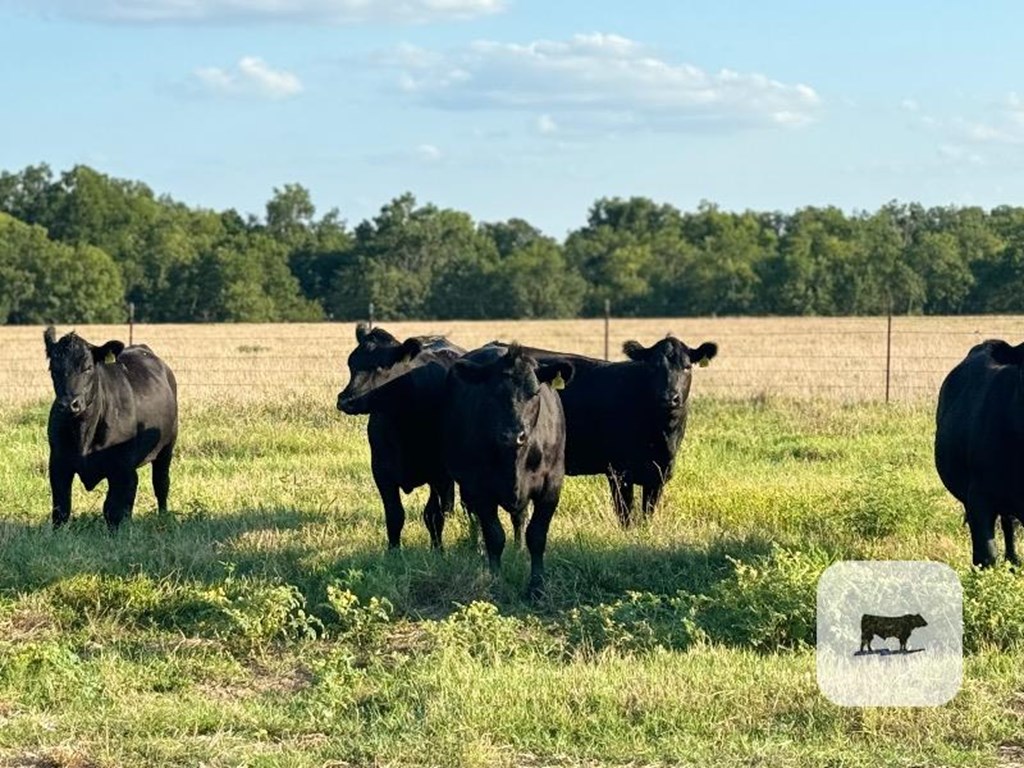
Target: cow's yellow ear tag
[558,382]
[704,363]
[109,358]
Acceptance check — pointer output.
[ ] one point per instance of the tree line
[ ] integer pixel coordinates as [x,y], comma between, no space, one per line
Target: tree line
[78,246]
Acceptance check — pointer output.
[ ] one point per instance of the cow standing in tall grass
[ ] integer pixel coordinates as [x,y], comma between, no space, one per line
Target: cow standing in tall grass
[504,444]
[116,409]
[979,443]
[626,420]
[400,385]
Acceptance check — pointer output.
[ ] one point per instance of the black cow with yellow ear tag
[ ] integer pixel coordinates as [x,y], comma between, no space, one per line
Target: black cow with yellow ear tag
[115,409]
[626,420]
[504,444]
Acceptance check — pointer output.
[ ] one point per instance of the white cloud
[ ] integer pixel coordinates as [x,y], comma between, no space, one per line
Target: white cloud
[250,77]
[422,154]
[546,125]
[1005,124]
[428,152]
[910,105]
[960,154]
[613,81]
[244,11]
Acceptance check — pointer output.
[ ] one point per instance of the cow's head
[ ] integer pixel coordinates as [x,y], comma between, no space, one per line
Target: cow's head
[378,359]
[511,386]
[917,620]
[669,366]
[73,366]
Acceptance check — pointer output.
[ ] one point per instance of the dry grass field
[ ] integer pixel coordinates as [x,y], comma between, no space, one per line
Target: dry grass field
[828,358]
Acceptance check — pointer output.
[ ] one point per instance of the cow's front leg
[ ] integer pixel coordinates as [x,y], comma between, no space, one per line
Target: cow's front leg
[621,485]
[120,497]
[652,495]
[60,493]
[1008,533]
[433,515]
[493,533]
[394,513]
[537,540]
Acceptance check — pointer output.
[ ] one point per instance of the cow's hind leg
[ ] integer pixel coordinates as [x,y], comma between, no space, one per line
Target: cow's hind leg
[162,477]
[621,485]
[1008,539]
[537,540]
[120,498]
[433,515]
[981,519]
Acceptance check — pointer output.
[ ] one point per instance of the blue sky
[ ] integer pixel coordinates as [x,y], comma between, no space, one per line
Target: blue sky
[520,108]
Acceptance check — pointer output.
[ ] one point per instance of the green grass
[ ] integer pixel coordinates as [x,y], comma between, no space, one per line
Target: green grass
[262,623]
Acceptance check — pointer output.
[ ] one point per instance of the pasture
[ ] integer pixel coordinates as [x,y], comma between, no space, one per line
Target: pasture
[262,623]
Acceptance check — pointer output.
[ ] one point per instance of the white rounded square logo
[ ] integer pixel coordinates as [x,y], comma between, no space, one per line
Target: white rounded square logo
[890,633]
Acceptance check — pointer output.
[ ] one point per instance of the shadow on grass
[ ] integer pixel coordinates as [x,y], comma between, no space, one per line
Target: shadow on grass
[282,546]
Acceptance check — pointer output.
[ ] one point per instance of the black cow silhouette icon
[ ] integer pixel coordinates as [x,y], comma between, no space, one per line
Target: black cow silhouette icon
[900,627]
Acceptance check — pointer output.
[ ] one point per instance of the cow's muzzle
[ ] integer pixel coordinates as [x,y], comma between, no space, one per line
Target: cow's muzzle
[73,405]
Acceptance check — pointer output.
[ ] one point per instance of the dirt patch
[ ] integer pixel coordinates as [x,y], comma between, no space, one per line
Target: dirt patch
[1010,756]
[54,759]
[264,681]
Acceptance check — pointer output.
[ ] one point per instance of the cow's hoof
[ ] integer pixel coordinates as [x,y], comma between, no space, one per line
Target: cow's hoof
[535,591]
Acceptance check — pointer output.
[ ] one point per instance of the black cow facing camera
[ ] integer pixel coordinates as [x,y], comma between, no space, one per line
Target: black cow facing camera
[504,444]
[400,385]
[115,409]
[626,420]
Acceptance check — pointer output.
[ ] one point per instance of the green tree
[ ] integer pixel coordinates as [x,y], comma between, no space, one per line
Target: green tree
[52,282]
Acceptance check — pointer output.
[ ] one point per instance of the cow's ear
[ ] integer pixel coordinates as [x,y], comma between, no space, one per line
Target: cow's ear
[409,349]
[362,331]
[49,339]
[556,374]
[471,372]
[634,350]
[703,354]
[108,352]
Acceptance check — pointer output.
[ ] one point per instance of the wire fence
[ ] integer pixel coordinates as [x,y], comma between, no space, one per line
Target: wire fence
[899,359]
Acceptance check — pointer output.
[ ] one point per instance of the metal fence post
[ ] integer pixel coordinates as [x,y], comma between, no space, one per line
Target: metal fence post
[371,315]
[131,322]
[607,319]
[888,353]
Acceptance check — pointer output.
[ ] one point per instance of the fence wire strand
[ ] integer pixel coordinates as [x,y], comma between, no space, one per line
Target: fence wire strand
[836,358]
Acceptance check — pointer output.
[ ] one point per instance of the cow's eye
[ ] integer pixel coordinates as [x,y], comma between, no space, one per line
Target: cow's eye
[521,438]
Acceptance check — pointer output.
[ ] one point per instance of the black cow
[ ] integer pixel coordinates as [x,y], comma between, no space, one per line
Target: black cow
[504,444]
[116,409]
[979,443]
[400,385]
[626,420]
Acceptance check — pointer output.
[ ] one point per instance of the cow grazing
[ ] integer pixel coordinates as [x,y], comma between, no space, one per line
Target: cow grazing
[979,443]
[400,385]
[626,420]
[116,409]
[504,444]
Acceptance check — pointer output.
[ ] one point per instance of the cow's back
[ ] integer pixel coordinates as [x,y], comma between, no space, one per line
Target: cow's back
[151,395]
